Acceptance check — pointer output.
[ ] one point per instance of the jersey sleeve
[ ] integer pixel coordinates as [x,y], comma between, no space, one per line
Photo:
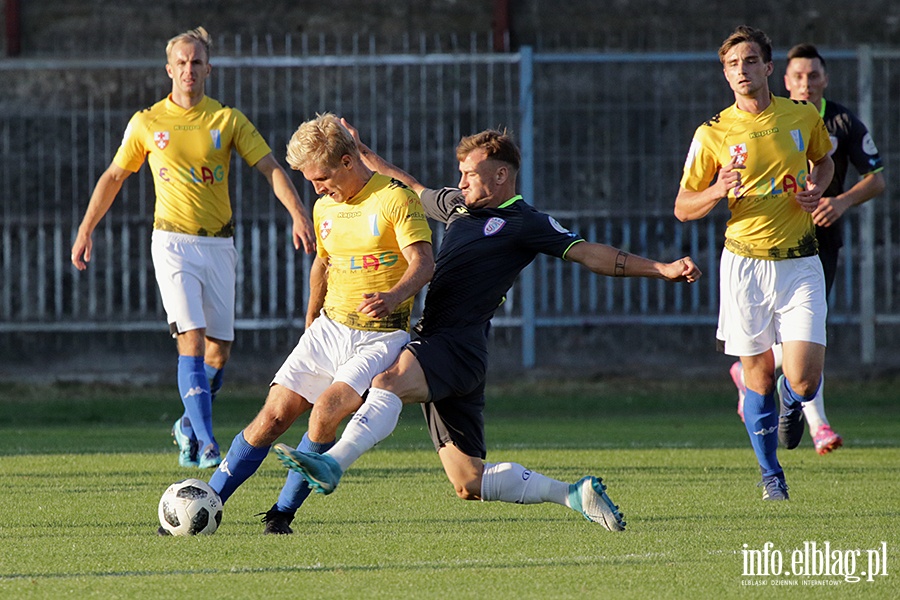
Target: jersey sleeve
[862,150]
[405,211]
[132,153]
[701,164]
[440,204]
[247,140]
[546,235]
[819,141]
[323,228]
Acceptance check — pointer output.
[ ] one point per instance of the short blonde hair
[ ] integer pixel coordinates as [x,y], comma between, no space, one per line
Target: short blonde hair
[321,141]
[194,36]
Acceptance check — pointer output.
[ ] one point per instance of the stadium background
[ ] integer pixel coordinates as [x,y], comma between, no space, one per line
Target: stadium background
[597,161]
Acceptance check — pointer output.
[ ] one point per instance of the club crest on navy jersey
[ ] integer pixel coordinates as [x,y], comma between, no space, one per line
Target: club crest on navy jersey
[493,225]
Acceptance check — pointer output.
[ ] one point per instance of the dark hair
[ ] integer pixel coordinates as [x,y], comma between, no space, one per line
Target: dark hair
[805,51]
[496,144]
[747,34]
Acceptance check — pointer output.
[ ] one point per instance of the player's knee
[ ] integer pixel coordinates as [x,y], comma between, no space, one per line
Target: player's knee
[386,380]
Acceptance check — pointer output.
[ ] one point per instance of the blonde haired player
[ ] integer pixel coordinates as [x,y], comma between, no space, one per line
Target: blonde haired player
[373,255]
[187,138]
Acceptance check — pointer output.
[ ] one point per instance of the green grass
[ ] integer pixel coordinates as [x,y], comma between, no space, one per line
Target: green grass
[82,469]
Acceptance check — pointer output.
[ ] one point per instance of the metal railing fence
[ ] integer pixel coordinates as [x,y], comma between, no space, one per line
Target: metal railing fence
[603,138]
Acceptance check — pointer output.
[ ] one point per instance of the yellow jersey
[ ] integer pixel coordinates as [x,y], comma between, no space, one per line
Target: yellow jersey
[361,240]
[775,148]
[189,151]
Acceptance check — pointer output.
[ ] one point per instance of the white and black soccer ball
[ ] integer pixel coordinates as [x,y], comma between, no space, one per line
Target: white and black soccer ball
[190,507]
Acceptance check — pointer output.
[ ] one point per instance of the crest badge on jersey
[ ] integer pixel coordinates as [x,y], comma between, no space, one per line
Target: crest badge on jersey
[494,225]
[868,145]
[161,139]
[556,225]
[325,228]
[216,138]
[739,153]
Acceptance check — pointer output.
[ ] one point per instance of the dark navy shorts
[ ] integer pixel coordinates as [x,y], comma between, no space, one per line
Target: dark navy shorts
[455,364]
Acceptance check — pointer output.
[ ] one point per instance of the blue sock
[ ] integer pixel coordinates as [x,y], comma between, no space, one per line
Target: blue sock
[214,376]
[296,489]
[761,420]
[794,400]
[194,388]
[240,463]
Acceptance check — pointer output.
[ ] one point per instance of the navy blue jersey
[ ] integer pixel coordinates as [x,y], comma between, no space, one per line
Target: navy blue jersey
[482,253]
[852,144]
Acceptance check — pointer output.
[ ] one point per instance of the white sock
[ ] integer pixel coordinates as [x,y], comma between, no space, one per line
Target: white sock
[778,354]
[814,410]
[511,482]
[374,421]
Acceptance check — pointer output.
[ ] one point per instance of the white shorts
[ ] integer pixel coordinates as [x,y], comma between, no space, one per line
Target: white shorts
[764,302]
[196,278]
[329,352]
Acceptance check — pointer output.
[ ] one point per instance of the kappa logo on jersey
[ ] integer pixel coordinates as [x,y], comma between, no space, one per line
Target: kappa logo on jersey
[161,139]
[216,138]
[325,228]
[798,139]
[493,225]
[739,153]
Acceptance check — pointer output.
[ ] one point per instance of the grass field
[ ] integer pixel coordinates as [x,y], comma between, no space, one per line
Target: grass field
[82,469]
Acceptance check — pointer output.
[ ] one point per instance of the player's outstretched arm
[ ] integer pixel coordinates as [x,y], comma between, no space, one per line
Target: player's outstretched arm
[105,192]
[606,260]
[379,165]
[303,232]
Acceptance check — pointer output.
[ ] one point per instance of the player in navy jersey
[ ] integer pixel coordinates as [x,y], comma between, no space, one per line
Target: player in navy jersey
[806,78]
[491,235]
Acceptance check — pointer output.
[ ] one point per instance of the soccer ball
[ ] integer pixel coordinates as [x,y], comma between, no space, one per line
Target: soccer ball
[190,507]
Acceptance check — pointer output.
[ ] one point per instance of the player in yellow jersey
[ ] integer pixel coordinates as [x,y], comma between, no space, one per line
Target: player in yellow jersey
[188,138]
[806,78]
[373,255]
[769,159]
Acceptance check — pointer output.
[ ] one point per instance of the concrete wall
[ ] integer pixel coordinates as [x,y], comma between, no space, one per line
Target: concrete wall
[110,27]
